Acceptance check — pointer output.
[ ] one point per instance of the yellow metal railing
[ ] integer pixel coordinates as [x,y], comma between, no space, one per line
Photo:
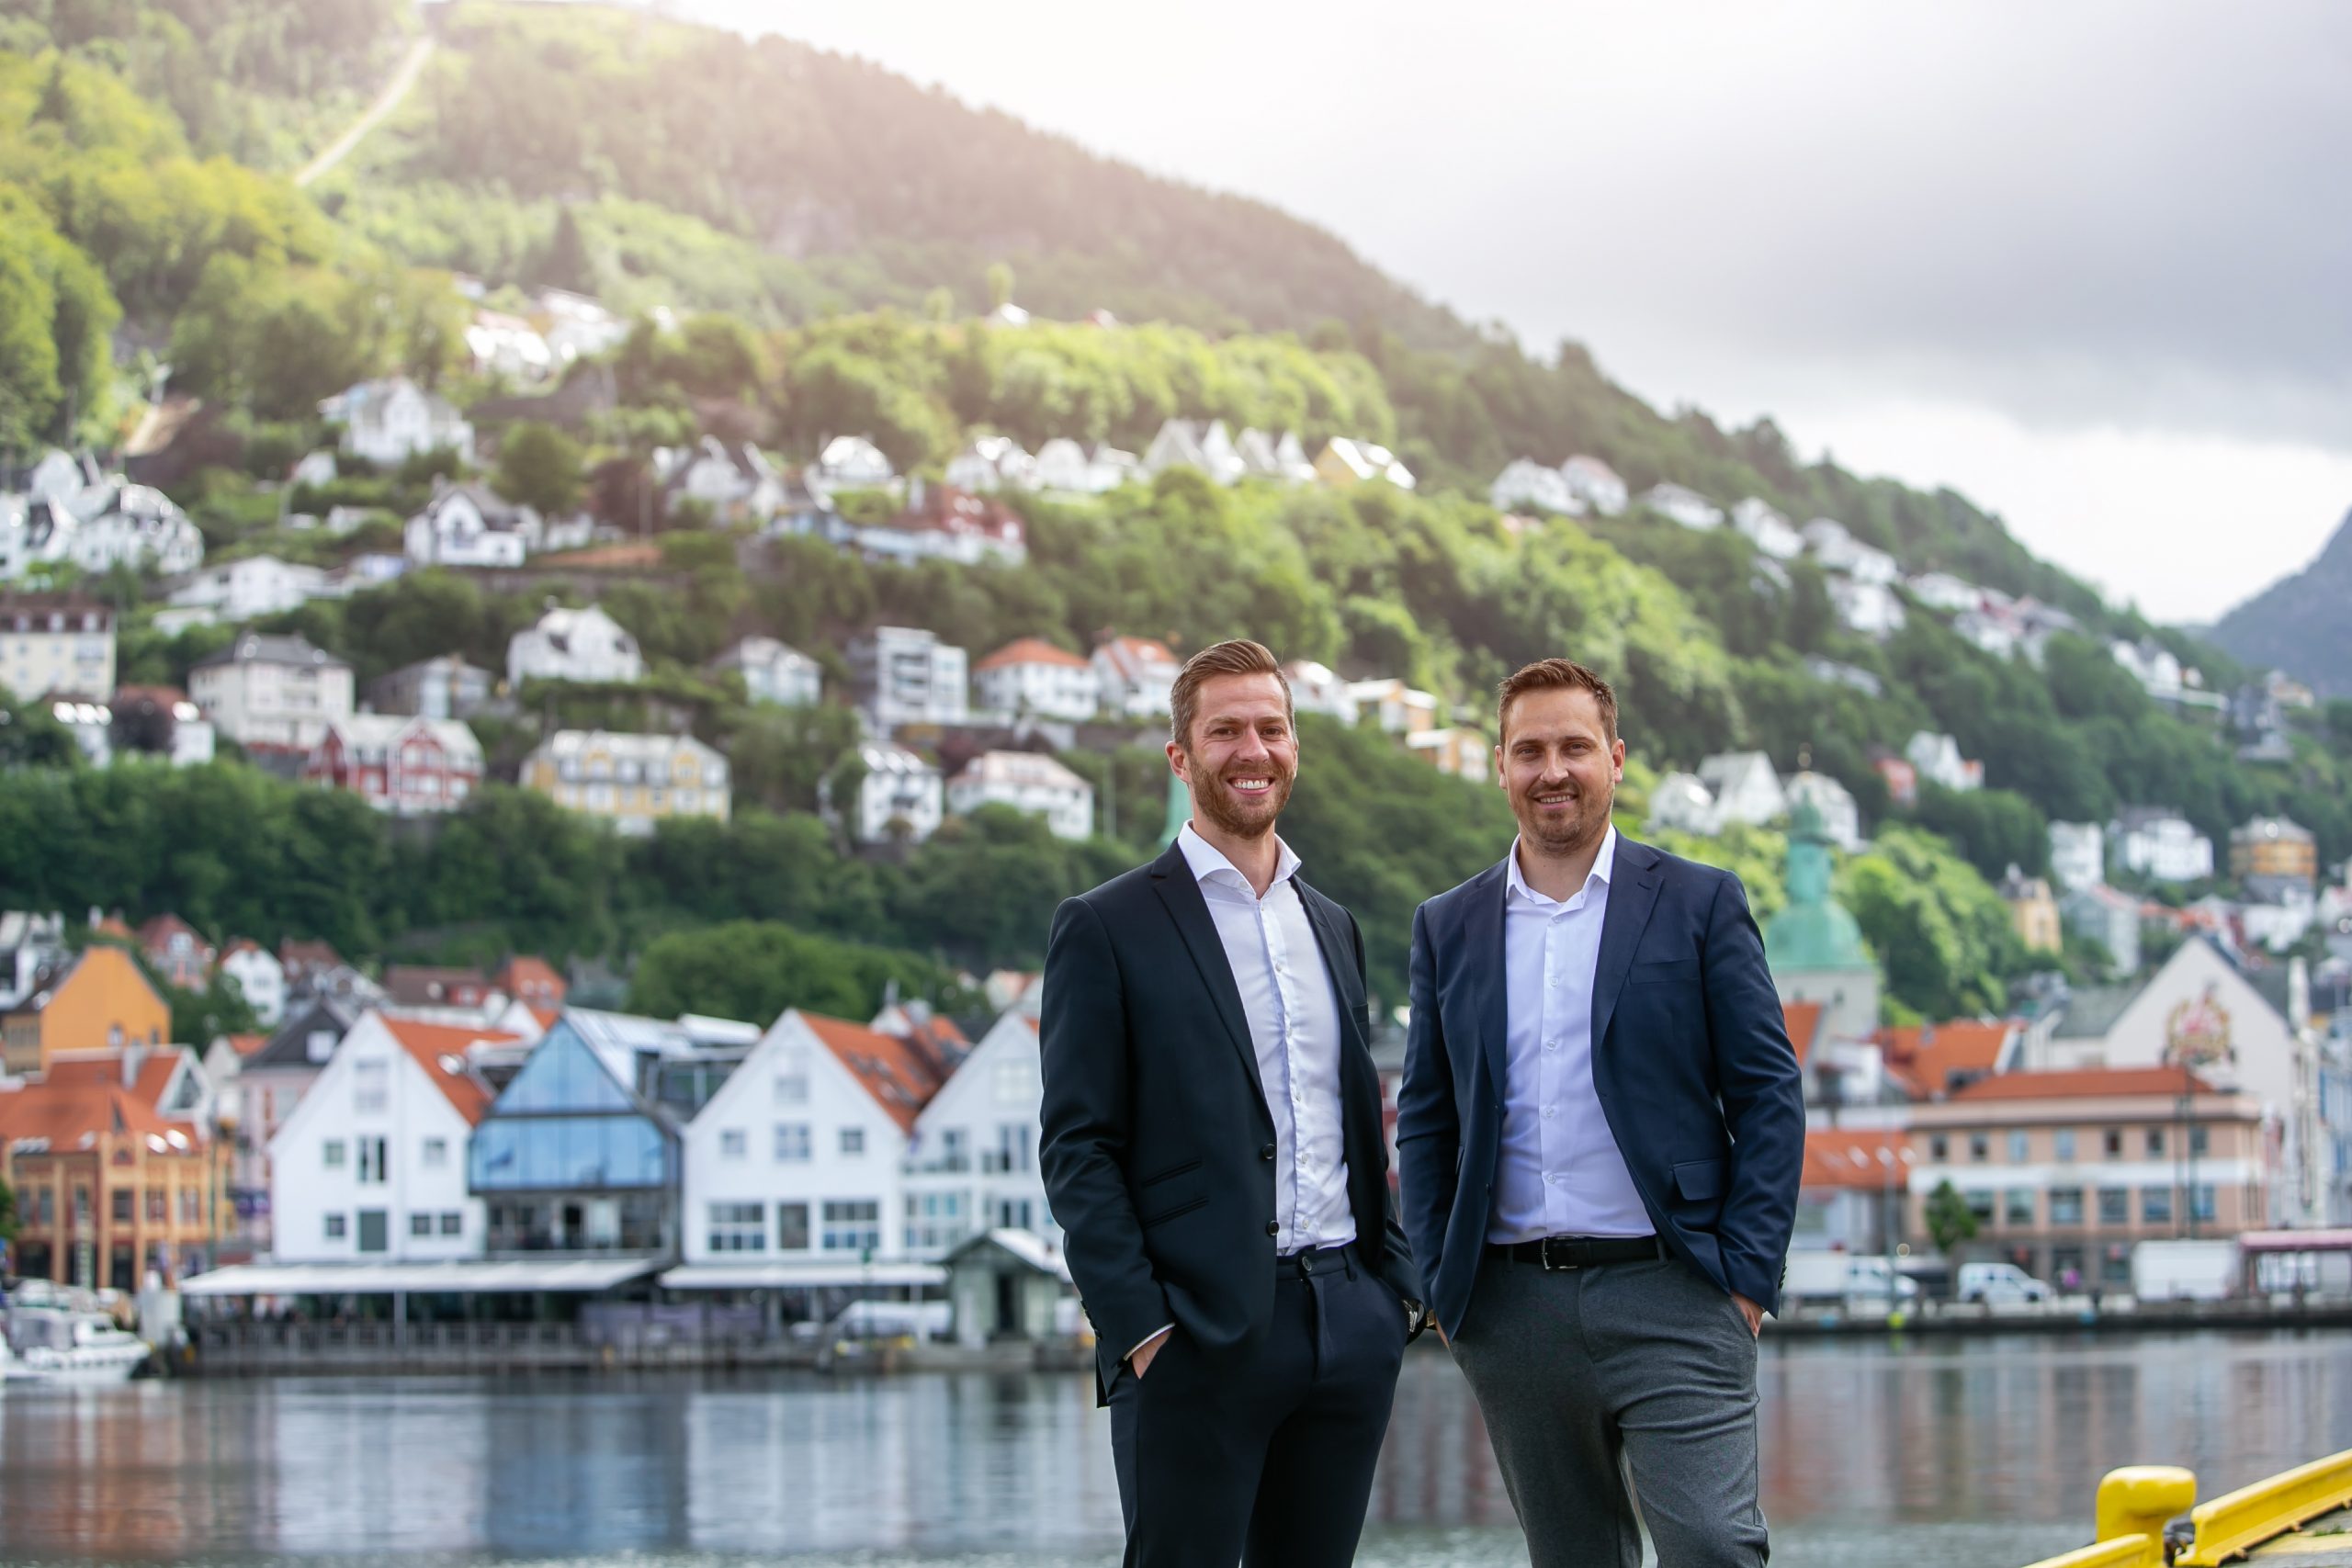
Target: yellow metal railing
[2136,1504]
[2246,1518]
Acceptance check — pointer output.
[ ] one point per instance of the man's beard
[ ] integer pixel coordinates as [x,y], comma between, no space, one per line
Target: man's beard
[1588,819]
[1244,818]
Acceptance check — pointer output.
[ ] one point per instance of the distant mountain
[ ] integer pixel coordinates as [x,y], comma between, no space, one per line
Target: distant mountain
[2299,624]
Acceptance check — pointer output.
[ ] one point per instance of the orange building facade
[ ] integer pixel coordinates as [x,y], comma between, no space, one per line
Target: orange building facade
[103,1002]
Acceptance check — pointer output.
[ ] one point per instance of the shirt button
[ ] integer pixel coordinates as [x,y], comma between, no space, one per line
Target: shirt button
[1549,1113]
[1551,1045]
[1274,1227]
[1552,1177]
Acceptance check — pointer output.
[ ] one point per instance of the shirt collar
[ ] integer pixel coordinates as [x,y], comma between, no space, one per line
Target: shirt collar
[1604,866]
[1207,861]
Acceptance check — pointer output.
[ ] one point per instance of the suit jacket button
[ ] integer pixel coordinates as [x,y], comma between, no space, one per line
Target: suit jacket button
[1274,1227]
[1266,1153]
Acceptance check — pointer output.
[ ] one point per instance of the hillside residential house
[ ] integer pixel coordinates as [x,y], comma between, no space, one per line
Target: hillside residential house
[135,525]
[1836,549]
[900,798]
[1204,446]
[1344,462]
[631,781]
[1938,759]
[389,422]
[1942,591]
[2274,847]
[1757,521]
[901,675]
[399,763]
[178,952]
[55,642]
[773,672]
[1525,485]
[1596,484]
[260,977]
[1030,677]
[1683,505]
[33,947]
[1459,753]
[1397,708]
[1867,608]
[1315,689]
[114,1175]
[2102,915]
[370,1166]
[573,645]
[249,588]
[270,1082]
[2077,855]
[1744,786]
[1063,465]
[471,525]
[446,687]
[2066,1170]
[2152,664]
[1282,459]
[974,1157]
[271,693]
[2159,841]
[1032,784]
[1841,817]
[1680,803]
[942,522]
[794,1170]
[850,462]
[2033,910]
[735,479]
[1135,674]
[989,464]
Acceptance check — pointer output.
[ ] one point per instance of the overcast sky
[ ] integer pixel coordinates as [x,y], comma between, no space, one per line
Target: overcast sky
[2090,264]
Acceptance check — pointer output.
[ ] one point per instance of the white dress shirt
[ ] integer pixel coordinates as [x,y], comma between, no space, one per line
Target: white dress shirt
[1560,1172]
[1293,1013]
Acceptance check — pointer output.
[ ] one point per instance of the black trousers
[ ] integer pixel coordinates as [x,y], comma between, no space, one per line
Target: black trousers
[1265,1459]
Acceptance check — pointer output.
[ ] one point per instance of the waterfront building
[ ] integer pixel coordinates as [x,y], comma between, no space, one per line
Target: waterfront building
[259,1097]
[972,1165]
[98,1001]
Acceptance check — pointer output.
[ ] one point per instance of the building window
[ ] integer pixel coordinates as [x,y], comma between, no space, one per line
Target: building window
[1980,1148]
[82,1207]
[1011,1082]
[335,1227]
[2155,1205]
[2112,1141]
[791,1143]
[1013,1213]
[1012,1151]
[2017,1145]
[2115,1202]
[853,1140]
[121,1205]
[2155,1145]
[853,1225]
[453,1222]
[437,1153]
[2065,1205]
[370,1088]
[738,1227]
[2200,1202]
[375,1166]
[330,1153]
[792,1227]
[2198,1143]
[733,1143]
[2016,1206]
[1980,1203]
[791,1086]
[935,1221]
[1939,1148]
[420,1225]
[191,1206]
[2062,1144]
[159,1206]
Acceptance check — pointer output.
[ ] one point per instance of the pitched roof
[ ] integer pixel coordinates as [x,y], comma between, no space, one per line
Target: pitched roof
[893,1071]
[525,970]
[253,648]
[1831,1157]
[1803,1021]
[420,984]
[440,1050]
[2101,1083]
[67,1113]
[1931,1055]
[246,1045]
[291,1047]
[2092,1011]
[102,1069]
[160,928]
[1029,650]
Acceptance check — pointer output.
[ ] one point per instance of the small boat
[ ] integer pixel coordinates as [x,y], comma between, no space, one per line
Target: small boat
[93,1351]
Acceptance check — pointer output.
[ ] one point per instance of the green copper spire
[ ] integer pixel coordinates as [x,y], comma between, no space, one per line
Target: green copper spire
[1179,809]
[1814,933]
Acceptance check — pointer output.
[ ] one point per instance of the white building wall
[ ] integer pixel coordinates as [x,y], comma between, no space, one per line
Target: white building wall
[992,1111]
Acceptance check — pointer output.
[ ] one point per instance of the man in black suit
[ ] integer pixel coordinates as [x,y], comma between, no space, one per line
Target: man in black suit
[1212,1150]
[1600,1132]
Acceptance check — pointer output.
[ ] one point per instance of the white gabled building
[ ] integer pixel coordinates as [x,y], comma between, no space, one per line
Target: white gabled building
[1942,591]
[1683,505]
[370,1166]
[1841,817]
[1527,485]
[1596,484]
[1064,465]
[275,692]
[901,795]
[1397,708]
[249,588]
[1204,446]
[1835,546]
[573,645]
[1032,784]
[989,464]
[1680,803]
[1030,677]
[1757,521]
[1135,674]
[2077,855]
[471,525]
[974,1158]
[133,525]
[390,421]
[1744,787]
[1938,761]
[1867,608]
[260,977]
[1315,688]
[851,462]
[2158,841]
[774,673]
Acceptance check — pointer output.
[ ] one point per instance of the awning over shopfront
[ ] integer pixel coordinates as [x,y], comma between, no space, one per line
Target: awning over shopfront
[812,1273]
[471,1278]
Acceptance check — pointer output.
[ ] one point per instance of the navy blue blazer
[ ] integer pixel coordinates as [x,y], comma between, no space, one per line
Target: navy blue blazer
[1691,1058]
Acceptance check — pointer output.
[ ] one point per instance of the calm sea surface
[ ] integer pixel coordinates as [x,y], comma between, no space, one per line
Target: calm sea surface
[1964,1454]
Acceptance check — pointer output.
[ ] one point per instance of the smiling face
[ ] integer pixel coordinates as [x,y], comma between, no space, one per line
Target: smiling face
[1241,757]
[1560,768]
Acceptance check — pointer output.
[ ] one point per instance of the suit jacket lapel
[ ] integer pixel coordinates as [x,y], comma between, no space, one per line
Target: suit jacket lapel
[1172,875]
[1483,937]
[1632,897]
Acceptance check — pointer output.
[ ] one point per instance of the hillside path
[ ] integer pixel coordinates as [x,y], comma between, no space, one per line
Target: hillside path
[411,67]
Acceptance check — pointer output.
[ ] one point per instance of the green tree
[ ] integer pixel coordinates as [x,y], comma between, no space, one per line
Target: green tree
[539,466]
[7,1211]
[1000,279]
[1950,1219]
[753,970]
[199,1018]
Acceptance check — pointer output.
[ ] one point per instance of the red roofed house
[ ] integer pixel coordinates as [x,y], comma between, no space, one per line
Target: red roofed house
[1931,1060]
[531,981]
[2065,1170]
[178,952]
[370,1166]
[110,1184]
[1135,674]
[403,764]
[800,1160]
[1032,677]
[1852,1188]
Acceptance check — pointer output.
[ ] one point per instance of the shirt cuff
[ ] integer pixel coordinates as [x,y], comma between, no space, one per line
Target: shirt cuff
[1156,1334]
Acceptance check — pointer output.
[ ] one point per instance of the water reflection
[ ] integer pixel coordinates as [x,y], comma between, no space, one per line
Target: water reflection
[1967,1452]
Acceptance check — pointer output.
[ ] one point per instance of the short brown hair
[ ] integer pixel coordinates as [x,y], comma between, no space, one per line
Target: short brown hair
[1236,656]
[1554,674]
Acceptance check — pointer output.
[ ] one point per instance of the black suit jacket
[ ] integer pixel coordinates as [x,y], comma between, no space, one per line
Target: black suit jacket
[1157,1150]
[1690,1059]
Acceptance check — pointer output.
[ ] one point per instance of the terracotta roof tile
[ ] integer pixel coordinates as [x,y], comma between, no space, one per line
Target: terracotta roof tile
[1029,650]
[893,1071]
[1931,1055]
[2101,1083]
[1830,1157]
[1803,1021]
[435,1047]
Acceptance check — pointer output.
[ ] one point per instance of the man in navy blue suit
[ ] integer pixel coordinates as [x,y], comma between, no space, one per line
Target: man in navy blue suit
[1599,1135]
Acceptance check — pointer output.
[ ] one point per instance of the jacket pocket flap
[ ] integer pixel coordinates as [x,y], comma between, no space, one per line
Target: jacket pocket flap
[1699,1180]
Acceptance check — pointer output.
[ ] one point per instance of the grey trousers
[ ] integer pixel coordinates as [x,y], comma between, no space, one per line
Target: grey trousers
[1584,1375]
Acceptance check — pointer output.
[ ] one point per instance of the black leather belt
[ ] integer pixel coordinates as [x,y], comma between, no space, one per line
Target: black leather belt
[1322,1261]
[1554,1252]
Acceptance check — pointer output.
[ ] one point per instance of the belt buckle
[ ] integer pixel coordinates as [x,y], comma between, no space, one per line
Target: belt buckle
[1544,1255]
